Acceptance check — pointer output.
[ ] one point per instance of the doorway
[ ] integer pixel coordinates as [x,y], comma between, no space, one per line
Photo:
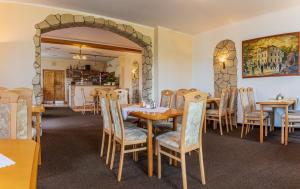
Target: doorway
[54,86]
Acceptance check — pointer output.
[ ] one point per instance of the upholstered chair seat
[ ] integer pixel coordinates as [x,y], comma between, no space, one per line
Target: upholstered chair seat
[134,134]
[170,139]
[256,114]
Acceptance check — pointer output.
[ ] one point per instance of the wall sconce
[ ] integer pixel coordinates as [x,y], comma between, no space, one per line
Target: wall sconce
[222,60]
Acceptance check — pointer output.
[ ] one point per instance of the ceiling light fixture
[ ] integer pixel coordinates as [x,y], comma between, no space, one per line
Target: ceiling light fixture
[79,55]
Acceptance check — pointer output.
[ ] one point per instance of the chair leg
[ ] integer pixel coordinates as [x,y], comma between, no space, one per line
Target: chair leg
[235,119]
[230,121]
[220,123]
[205,126]
[158,161]
[242,132]
[282,131]
[102,145]
[113,155]
[183,170]
[266,127]
[121,162]
[202,172]
[108,148]
[226,122]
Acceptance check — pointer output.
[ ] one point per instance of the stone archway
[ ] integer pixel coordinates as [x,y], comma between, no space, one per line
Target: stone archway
[225,53]
[60,21]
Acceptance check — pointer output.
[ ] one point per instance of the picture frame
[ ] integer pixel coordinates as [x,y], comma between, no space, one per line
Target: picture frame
[271,56]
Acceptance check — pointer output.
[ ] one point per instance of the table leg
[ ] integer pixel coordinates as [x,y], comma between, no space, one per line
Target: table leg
[286,130]
[149,148]
[261,133]
[38,135]
[272,119]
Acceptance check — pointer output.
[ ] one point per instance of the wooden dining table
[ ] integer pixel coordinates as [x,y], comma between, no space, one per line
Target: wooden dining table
[275,104]
[155,116]
[23,174]
[37,111]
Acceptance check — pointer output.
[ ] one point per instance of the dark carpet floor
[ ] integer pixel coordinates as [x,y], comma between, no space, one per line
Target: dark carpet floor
[70,154]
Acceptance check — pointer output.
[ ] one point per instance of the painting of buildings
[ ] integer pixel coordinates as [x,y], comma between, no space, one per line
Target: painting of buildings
[271,56]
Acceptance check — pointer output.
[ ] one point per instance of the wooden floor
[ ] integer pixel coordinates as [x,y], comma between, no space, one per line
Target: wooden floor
[71,143]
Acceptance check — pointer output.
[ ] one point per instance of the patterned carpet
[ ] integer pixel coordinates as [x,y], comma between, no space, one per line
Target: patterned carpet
[70,155]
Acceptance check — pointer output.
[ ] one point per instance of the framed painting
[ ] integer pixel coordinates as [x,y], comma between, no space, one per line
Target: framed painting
[276,55]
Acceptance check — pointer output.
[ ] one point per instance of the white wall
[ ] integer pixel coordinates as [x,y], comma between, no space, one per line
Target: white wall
[172,60]
[16,40]
[270,24]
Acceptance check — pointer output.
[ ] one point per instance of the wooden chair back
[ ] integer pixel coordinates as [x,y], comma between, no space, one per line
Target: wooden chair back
[123,96]
[251,99]
[193,89]
[243,93]
[24,113]
[232,99]
[193,120]
[105,110]
[8,114]
[223,101]
[166,98]
[179,98]
[116,115]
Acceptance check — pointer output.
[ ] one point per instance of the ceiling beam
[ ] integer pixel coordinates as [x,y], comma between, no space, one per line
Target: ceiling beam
[88,44]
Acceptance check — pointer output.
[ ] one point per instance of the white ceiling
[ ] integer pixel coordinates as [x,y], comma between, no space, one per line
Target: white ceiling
[64,52]
[189,16]
[92,35]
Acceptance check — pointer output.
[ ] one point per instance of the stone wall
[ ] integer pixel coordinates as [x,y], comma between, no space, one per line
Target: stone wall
[226,77]
[59,21]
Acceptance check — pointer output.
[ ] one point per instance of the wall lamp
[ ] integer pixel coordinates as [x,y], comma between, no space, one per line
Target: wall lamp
[222,60]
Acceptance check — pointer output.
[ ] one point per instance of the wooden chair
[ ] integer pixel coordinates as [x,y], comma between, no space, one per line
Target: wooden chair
[166,97]
[125,136]
[123,96]
[293,122]
[107,123]
[87,102]
[232,108]
[253,108]
[189,138]
[250,117]
[25,129]
[8,114]
[216,115]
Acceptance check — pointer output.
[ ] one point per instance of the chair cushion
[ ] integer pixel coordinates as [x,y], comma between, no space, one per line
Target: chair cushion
[256,114]
[171,139]
[134,134]
[212,112]
[293,117]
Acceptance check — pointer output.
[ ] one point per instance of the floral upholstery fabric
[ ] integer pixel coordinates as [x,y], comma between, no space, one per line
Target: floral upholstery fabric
[171,139]
[105,114]
[132,134]
[165,101]
[116,118]
[194,119]
[4,120]
[22,122]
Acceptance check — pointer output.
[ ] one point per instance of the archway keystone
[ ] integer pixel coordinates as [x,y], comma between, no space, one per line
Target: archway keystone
[60,21]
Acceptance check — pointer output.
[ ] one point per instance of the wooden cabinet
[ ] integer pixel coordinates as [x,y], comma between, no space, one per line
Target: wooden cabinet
[54,85]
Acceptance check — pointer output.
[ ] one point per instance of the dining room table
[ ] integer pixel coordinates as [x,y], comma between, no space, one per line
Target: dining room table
[22,171]
[273,103]
[151,116]
[37,111]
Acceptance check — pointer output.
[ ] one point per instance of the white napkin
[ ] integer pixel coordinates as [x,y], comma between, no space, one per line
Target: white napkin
[5,161]
[127,110]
